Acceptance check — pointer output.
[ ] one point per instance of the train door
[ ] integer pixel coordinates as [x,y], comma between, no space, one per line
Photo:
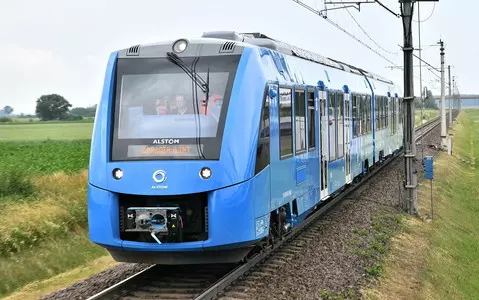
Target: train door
[323,140]
[347,135]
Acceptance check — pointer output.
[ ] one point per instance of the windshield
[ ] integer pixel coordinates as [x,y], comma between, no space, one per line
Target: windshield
[161,114]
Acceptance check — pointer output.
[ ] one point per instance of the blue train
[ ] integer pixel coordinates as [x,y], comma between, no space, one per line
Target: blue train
[205,149]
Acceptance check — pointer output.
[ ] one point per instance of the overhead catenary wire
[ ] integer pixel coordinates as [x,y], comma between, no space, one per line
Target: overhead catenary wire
[304,5]
[358,40]
[364,31]
[433,9]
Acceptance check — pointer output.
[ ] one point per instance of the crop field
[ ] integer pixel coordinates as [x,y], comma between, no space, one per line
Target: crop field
[43,190]
[47,131]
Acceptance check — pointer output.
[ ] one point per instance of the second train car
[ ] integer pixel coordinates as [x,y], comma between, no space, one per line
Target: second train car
[205,148]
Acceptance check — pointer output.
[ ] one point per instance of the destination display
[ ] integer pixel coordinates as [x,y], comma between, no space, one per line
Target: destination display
[163,150]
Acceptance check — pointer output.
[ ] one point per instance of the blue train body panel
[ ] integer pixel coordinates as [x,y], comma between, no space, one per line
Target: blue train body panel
[250,190]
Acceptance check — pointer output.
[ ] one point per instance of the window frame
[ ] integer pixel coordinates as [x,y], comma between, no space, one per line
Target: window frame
[267,138]
[311,146]
[331,138]
[297,151]
[291,154]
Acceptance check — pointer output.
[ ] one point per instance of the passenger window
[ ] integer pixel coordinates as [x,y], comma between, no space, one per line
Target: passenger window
[363,114]
[300,120]
[311,121]
[340,124]
[332,126]
[386,112]
[262,151]
[285,123]
[368,116]
[381,112]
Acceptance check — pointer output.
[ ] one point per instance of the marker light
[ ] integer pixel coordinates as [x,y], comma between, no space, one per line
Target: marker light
[206,173]
[117,174]
[180,46]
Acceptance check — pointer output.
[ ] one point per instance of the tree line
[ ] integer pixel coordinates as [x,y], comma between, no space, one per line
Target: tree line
[54,107]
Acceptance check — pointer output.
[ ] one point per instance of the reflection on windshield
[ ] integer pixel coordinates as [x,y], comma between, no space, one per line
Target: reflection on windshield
[161,114]
[148,102]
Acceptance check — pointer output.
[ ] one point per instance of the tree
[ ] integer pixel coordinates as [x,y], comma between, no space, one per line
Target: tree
[52,107]
[429,102]
[8,110]
[87,112]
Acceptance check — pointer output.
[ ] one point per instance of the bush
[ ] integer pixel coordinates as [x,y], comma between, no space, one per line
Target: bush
[71,117]
[16,182]
[5,120]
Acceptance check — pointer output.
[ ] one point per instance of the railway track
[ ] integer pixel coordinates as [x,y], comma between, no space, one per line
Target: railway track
[202,282]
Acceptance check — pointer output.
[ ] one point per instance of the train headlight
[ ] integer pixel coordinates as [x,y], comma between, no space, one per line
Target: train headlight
[180,46]
[206,173]
[117,174]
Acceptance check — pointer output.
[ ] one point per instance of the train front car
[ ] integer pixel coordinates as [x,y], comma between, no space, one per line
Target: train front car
[173,154]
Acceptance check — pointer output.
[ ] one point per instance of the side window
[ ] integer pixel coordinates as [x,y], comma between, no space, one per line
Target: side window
[401,113]
[363,114]
[377,121]
[369,115]
[285,123]
[332,125]
[355,114]
[300,120]
[381,112]
[311,121]
[262,151]
[340,124]
[386,111]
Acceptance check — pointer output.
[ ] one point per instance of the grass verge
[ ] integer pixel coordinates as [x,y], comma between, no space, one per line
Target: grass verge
[54,256]
[439,259]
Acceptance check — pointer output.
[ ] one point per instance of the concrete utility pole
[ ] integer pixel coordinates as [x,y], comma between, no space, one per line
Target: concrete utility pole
[443,106]
[420,61]
[450,99]
[456,103]
[410,204]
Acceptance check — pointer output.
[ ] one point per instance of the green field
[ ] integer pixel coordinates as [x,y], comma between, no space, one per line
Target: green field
[52,131]
[439,258]
[428,114]
[43,191]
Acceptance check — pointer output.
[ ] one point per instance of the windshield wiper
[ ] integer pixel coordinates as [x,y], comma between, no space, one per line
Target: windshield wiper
[200,82]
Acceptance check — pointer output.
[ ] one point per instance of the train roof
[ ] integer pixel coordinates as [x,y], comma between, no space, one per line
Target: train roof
[261,40]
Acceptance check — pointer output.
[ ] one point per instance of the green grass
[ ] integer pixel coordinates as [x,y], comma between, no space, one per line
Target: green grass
[439,258]
[54,256]
[44,156]
[17,120]
[453,266]
[40,131]
[428,114]
[43,192]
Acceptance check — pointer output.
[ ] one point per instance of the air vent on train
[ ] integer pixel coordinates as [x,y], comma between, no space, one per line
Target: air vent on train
[228,47]
[133,50]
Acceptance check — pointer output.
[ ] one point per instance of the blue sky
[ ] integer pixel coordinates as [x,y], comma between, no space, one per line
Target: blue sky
[57,46]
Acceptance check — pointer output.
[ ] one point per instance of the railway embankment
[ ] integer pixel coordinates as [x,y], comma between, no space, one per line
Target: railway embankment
[439,258]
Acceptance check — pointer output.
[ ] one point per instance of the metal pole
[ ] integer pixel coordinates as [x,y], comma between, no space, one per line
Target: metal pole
[420,62]
[450,99]
[443,106]
[407,10]
[432,204]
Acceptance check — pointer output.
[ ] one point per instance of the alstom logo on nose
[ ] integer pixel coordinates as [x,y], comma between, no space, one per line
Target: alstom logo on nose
[159,176]
[166,141]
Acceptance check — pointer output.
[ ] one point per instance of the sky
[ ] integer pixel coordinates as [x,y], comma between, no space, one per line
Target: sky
[62,47]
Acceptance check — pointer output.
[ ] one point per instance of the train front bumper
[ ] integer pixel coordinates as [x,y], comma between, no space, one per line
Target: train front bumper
[231,225]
